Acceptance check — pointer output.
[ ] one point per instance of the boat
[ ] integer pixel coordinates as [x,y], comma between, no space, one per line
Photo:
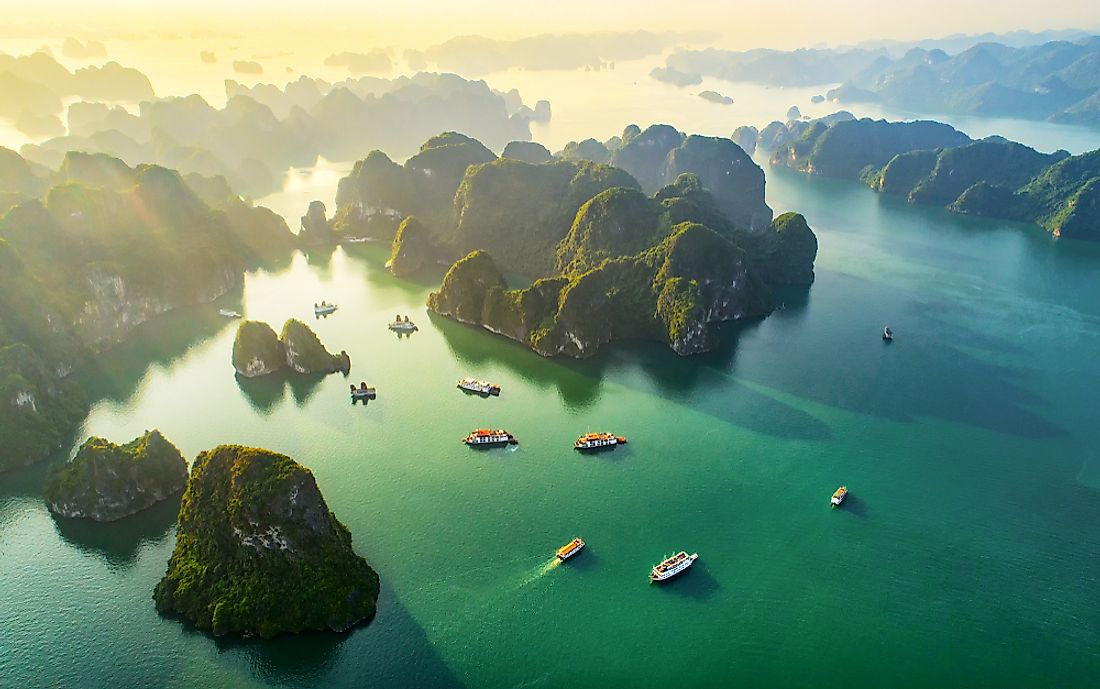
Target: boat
[324,309]
[671,566]
[484,437]
[598,441]
[402,324]
[839,495]
[230,314]
[887,334]
[570,549]
[364,392]
[481,387]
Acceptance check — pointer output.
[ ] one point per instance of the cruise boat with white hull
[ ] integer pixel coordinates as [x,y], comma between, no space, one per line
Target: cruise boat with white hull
[671,566]
[570,549]
[480,387]
[363,393]
[323,309]
[484,437]
[598,441]
[402,324]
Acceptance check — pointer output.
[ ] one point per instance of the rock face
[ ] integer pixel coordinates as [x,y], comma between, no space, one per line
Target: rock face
[789,251]
[257,350]
[411,248]
[305,353]
[315,226]
[258,552]
[105,481]
[745,137]
[728,173]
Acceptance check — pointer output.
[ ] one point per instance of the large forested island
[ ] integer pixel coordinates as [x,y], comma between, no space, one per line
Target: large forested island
[105,481]
[933,163]
[258,552]
[89,252]
[664,236]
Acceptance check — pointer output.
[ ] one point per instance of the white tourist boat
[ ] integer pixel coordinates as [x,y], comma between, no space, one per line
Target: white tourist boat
[481,387]
[402,324]
[483,437]
[324,309]
[363,393]
[598,441]
[230,314]
[887,334]
[671,566]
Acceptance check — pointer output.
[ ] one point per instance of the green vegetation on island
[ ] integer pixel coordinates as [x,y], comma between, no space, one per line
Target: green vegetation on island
[257,351]
[258,552]
[105,481]
[89,252]
[411,248]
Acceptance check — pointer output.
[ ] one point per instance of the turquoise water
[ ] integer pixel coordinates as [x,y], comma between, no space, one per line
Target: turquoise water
[966,555]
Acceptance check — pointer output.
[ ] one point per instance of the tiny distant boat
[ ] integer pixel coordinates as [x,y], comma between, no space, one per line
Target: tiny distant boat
[484,437]
[481,387]
[839,495]
[570,549]
[364,392]
[324,309]
[357,240]
[671,566]
[887,334]
[230,314]
[598,441]
[402,324]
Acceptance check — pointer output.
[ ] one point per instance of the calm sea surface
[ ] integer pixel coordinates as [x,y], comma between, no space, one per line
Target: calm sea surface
[966,555]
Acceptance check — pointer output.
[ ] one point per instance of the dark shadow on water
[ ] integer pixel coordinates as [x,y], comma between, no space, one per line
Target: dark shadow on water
[854,505]
[585,561]
[266,393]
[697,582]
[319,258]
[118,542]
[393,650]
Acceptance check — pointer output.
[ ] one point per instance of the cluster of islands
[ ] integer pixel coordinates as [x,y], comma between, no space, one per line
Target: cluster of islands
[654,234]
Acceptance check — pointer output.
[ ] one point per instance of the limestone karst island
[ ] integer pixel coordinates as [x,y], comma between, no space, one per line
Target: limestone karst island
[488,345]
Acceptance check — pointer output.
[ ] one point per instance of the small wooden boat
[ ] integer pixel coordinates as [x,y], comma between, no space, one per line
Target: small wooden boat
[839,495]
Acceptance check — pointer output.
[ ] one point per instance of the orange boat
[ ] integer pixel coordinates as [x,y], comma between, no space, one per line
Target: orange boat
[483,437]
[570,549]
[839,495]
[598,441]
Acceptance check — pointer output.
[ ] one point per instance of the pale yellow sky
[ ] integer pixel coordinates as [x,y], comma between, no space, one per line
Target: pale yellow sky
[417,23]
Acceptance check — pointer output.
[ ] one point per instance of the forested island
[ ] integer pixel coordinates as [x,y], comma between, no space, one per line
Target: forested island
[933,163]
[88,252]
[105,481]
[258,552]
[257,351]
[662,236]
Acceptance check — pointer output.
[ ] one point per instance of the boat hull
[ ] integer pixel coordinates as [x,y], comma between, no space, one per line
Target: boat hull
[657,577]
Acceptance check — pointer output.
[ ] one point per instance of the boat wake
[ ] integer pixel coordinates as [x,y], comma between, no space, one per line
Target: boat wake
[541,571]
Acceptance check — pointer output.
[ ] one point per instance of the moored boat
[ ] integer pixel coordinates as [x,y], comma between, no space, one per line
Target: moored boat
[481,387]
[402,324]
[364,392]
[839,495]
[673,565]
[570,549]
[597,441]
[484,437]
[324,309]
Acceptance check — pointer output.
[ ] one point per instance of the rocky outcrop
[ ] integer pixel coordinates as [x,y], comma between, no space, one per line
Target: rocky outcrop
[257,351]
[258,552]
[728,173]
[411,249]
[305,353]
[788,252]
[315,226]
[745,136]
[527,152]
[106,482]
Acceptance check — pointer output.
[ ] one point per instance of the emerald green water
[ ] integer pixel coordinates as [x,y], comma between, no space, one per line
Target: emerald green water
[966,555]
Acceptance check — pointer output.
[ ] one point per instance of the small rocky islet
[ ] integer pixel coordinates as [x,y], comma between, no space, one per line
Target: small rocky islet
[258,351]
[259,553]
[106,482]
